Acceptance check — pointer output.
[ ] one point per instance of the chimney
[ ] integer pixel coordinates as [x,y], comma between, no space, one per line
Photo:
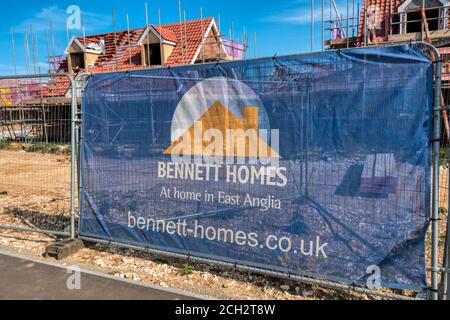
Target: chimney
[251,118]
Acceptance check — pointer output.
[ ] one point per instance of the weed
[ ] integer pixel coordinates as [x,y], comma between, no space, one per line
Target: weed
[4,144]
[160,261]
[443,157]
[44,148]
[186,270]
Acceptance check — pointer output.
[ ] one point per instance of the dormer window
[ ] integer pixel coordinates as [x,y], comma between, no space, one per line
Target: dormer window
[152,54]
[77,60]
[76,54]
[156,49]
[84,53]
[411,18]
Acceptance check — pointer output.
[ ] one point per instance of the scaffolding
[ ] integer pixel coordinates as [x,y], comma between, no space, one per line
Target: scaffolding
[377,24]
[394,22]
[31,112]
[342,27]
[37,109]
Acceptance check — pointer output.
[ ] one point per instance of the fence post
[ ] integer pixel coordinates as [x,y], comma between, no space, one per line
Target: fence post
[80,83]
[437,109]
[445,277]
[436,169]
[73,165]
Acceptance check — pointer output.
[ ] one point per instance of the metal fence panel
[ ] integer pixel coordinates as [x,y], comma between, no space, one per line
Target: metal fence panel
[338,186]
[444,228]
[36,124]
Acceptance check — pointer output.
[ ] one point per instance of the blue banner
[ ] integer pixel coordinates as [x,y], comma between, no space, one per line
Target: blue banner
[315,165]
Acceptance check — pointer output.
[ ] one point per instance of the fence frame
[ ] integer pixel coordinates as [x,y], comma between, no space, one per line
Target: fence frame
[435,269]
[436,145]
[445,281]
[430,293]
[73,168]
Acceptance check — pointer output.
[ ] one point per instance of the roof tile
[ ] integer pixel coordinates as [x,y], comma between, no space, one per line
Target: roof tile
[187,35]
[385,10]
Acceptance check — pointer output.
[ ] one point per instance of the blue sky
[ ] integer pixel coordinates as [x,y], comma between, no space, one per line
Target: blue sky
[282,26]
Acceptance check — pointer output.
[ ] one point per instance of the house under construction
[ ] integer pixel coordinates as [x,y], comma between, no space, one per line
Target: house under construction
[39,109]
[379,22]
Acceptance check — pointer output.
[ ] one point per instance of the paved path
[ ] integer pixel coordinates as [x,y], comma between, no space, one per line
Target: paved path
[31,280]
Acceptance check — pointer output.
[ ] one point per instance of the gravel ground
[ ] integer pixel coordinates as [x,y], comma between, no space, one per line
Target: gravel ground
[34,190]
[207,280]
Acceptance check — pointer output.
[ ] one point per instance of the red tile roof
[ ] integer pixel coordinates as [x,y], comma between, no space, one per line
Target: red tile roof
[189,36]
[115,47]
[56,87]
[166,34]
[186,35]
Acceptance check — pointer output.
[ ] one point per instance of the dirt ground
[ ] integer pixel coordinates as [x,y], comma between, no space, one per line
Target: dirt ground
[34,192]
[24,173]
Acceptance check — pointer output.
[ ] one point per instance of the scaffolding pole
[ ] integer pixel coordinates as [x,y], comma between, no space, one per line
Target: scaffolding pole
[84,43]
[203,35]
[160,39]
[33,56]
[13,47]
[348,24]
[338,17]
[331,21]
[181,31]
[232,39]
[353,19]
[323,25]
[185,37]
[254,44]
[48,51]
[36,52]
[147,28]
[27,53]
[115,36]
[365,26]
[312,25]
[69,58]
[129,40]
[53,45]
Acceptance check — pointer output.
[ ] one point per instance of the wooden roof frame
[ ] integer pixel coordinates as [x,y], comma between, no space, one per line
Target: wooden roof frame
[156,33]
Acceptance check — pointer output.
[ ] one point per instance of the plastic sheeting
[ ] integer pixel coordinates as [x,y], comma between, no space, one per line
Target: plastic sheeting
[332,179]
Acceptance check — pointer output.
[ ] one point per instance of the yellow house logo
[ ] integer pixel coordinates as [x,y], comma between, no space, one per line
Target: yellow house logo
[220,133]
